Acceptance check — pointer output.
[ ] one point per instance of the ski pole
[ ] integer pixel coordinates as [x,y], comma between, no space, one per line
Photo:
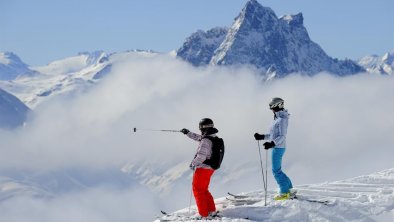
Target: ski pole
[266,177]
[160,130]
[262,172]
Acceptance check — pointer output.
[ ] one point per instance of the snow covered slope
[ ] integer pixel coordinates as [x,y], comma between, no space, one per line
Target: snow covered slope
[278,46]
[364,198]
[379,64]
[12,67]
[13,112]
[57,78]
[73,64]
[65,77]
[10,188]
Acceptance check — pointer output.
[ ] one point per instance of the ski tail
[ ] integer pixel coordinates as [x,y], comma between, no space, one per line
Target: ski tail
[237,196]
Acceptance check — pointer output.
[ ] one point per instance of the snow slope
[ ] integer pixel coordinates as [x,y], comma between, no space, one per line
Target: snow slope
[10,188]
[364,198]
[73,64]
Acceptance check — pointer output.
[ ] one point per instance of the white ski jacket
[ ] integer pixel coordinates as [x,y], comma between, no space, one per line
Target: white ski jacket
[278,130]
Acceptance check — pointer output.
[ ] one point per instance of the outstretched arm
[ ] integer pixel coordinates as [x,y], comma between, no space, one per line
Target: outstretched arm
[191,135]
[194,136]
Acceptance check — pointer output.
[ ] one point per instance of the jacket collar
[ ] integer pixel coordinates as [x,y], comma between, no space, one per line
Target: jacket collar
[282,114]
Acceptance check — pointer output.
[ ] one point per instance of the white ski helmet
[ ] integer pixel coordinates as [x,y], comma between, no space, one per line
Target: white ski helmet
[277,103]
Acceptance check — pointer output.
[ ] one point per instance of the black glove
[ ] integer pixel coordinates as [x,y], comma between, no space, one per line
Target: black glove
[185,131]
[258,136]
[269,145]
[192,167]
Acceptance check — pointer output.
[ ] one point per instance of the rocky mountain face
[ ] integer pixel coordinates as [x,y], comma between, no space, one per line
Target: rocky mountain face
[200,47]
[276,46]
[13,112]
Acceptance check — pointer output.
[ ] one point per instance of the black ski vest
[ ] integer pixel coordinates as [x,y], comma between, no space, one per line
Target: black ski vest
[217,152]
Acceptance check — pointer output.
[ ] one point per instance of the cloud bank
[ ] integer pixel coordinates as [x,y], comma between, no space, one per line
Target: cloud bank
[339,128]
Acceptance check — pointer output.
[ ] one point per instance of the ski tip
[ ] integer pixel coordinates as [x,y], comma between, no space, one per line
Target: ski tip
[231,194]
[163,212]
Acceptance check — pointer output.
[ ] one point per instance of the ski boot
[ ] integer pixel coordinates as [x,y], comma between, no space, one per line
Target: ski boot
[286,196]
[213,215]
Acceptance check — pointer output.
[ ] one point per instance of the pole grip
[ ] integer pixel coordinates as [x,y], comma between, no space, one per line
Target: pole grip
[157,130]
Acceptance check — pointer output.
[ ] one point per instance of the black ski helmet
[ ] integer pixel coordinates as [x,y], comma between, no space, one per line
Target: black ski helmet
[205,124]
[277,104]
[206,127]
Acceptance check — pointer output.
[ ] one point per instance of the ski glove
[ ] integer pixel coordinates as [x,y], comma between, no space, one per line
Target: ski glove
[259,136]
[269,145]
[185,131]
[192,167]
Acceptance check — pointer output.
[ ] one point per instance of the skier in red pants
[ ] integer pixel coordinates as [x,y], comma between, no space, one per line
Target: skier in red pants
[208,158]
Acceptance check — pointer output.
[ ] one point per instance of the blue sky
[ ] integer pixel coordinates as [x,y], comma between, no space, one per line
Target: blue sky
[42,31]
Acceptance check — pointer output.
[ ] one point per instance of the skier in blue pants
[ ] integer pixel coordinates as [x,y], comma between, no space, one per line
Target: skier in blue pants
[277,142]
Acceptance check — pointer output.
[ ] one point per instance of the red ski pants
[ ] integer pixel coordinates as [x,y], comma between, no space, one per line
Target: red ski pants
[204,199]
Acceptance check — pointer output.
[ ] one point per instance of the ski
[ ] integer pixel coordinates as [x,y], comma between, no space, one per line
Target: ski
[239,200]
[164,213]
[246,198]
[246,201]
[238,196]
[172,217]
[324,202]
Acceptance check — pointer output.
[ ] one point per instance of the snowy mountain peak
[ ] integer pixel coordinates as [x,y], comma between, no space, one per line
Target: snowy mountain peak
[294,20]
[255,13]
[258,37]
[388,58]
[12,67]
[7,58]
[379,64]
[94,57]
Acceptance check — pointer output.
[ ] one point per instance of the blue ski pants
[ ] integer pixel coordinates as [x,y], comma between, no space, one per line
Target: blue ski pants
[281,178]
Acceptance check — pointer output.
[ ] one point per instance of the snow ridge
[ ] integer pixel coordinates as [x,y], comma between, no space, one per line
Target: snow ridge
[379,64]
[364,198]
[73,64]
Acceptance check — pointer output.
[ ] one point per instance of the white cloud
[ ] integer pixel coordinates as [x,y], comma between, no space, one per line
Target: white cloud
[99,205]
[339,127]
